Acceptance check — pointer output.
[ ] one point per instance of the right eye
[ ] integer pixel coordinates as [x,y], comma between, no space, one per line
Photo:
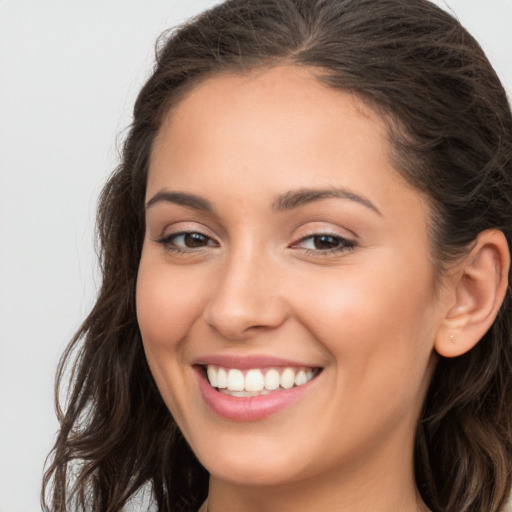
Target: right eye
[186,241]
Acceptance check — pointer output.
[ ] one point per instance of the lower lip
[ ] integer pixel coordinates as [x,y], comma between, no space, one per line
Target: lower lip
[249,408]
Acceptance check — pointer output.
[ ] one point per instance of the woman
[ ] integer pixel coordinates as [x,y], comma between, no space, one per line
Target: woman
[305,300]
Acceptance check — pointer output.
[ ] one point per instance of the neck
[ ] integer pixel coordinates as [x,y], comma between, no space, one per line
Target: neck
[301,499]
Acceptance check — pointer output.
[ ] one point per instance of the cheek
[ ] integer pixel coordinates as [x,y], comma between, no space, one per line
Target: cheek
[380,324]
[168,303]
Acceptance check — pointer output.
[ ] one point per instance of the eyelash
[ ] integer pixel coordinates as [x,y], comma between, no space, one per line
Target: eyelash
[343,244]
[168,241]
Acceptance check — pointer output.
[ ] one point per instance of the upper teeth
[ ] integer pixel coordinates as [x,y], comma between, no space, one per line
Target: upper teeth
[255,380]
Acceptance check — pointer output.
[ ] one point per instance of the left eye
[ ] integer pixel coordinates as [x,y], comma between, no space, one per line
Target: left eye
[325,242]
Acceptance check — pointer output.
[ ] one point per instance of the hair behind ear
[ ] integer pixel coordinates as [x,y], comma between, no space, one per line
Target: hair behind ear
[467,415]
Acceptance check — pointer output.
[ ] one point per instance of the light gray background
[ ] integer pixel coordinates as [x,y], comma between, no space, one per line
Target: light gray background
[69,73]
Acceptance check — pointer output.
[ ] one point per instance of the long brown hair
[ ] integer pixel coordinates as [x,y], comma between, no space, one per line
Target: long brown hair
[450,127]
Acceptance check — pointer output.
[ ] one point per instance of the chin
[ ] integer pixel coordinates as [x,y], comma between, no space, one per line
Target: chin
[256,465]
[242,473]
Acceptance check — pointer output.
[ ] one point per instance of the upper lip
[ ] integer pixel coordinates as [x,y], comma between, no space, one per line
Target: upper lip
[250,361]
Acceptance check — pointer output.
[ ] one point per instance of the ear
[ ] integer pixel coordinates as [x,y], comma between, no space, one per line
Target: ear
[476,291]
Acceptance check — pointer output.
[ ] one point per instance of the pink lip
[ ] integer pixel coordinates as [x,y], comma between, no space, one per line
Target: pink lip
[251,408]
[247,362]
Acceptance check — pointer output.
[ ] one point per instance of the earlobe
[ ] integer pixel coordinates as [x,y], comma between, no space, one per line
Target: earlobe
[479,286]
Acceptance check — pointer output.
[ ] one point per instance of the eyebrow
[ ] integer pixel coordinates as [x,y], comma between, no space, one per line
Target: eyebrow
[301,197]
[181,198]
[288,201]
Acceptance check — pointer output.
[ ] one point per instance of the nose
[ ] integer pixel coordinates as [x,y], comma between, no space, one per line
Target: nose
[248,297]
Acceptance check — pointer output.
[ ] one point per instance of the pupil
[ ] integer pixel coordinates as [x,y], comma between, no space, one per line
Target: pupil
[195,240]
[325,242]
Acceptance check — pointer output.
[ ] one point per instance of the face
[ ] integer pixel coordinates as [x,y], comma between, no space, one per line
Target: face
[285,293]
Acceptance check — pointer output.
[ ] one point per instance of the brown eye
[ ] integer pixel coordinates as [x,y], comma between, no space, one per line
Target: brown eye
[187,240]
[195,240]
[325,242]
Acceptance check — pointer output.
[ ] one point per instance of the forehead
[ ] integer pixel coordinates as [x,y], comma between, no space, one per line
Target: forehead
[280,126]
[253,111]
[291,92]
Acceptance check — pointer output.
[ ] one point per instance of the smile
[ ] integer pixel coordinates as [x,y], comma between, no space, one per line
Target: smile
[257,381]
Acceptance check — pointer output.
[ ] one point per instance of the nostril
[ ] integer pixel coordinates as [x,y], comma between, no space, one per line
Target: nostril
[242,304]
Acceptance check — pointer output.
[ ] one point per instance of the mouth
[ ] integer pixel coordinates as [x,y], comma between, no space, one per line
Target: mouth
[251,382]
[252,388]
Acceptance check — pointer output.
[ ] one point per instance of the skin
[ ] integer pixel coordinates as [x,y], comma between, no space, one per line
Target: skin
[367,312]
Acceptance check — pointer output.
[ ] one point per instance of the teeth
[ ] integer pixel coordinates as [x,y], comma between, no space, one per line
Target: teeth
[222,378]
[256,382]
[212,376]
[288,378]
[272,380]
[301,378]
[245,393]
[236,380]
